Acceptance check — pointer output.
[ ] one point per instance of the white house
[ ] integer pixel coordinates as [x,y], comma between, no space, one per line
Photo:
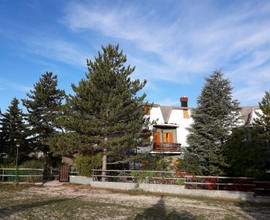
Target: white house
[170,133]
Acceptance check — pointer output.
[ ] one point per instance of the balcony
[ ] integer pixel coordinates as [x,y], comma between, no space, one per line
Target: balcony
[167,147]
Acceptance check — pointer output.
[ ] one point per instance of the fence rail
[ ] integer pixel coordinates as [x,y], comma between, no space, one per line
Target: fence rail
[247,184]
[169,177]
[21,175]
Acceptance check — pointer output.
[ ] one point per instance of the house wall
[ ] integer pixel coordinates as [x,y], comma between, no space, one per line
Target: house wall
[176,117]
[155,114]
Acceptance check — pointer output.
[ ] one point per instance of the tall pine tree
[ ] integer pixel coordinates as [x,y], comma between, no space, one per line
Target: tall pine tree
[14,131]
[262,129]
[105,114]
[214,118]
[43,107]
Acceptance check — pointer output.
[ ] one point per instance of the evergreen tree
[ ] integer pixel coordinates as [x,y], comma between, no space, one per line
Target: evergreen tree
[13,132]
[243,153]
[214,118]
[43,107]
[105,114]
[262,129]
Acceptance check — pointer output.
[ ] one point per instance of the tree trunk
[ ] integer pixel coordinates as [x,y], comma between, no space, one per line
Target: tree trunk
[104,165]
[45,159]
[104,160]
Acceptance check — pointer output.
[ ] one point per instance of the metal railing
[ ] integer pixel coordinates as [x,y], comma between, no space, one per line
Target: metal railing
[167,147]
[245,184]
[143,176]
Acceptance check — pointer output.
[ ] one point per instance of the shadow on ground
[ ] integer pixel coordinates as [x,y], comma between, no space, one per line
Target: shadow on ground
[158,211]
[4,212]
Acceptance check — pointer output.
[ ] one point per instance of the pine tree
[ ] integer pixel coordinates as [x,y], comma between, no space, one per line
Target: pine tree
[214,118]
[105,114]
[262,129]
[43,107]
[14,131]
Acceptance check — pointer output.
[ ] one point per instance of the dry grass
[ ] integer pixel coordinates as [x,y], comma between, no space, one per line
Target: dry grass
[85,202]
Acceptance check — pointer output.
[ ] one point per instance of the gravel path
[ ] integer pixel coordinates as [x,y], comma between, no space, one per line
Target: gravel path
[208,208]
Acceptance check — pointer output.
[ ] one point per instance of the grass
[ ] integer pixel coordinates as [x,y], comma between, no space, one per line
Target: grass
[18,202]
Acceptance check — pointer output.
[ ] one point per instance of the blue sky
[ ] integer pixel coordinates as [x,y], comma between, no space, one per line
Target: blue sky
[173,44]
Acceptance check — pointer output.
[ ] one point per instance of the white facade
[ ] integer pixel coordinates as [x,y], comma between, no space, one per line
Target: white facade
[176,120]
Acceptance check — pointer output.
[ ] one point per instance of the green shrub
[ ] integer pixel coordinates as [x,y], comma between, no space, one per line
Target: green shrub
[38,164]
[86,162]
[10,165]
[180,182]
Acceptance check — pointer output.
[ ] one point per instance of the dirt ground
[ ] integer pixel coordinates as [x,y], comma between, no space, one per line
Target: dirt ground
[109,204]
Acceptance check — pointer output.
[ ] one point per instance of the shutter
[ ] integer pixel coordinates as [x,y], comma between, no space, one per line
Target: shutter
[170,135]
[156,137]
[186,115]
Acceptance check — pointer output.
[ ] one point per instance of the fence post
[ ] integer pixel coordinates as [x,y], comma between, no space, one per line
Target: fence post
[3,174]
[217,183]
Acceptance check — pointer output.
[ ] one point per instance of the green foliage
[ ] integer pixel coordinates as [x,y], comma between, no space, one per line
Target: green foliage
[262,129]
[105,113]
[143,175]
[43,108]
[180,182]
[13,132]
[214,118]
[243,153]
[85,163]
[157,163]
[38,164]
[10,165]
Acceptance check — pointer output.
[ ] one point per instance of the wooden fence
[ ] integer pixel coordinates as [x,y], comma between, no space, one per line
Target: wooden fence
[8,175]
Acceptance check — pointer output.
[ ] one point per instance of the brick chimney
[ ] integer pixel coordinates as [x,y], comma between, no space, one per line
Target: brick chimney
[184,101]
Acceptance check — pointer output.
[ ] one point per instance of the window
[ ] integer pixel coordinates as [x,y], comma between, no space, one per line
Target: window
[167,137]
[186,115]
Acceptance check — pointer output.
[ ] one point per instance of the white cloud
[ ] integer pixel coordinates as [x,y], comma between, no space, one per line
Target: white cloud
[14,85]
[197,49]
[57,49]
[250,94]
[174,41]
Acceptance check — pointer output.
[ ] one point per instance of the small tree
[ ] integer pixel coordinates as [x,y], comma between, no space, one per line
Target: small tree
[13,132]
[214,118]
[105,114]
[43,108]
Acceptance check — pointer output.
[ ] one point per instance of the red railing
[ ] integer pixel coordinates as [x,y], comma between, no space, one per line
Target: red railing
[167,147]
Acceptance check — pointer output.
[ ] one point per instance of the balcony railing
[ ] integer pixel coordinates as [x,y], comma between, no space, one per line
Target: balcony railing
[167,147]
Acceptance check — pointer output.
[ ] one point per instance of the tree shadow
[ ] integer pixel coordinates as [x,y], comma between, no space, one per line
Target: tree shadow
[158,211]
[255,209]
[4,212]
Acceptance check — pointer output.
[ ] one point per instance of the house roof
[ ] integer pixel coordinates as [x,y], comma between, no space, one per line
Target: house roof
[246,111]
[167,110]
